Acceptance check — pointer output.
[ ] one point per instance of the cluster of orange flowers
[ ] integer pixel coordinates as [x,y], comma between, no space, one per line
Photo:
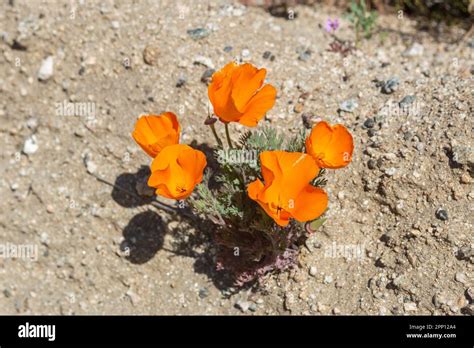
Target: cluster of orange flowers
[237,94]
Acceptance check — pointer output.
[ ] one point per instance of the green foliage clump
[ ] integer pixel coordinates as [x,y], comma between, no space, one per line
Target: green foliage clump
[229,201]
[250,243]
[362,18]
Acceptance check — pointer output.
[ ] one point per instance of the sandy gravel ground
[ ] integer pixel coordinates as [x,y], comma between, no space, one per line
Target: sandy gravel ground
[399,236]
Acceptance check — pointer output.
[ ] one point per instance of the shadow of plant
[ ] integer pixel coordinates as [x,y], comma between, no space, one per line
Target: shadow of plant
[143,237]
[197,241]
[124,191]
[192,237]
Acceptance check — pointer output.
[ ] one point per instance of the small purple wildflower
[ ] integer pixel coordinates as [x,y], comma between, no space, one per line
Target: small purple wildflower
[332,25]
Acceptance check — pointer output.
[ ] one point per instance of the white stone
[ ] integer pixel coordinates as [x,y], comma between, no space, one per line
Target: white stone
[328,279]
[199,59]
[31,145]
[32,123]
[460,277]
[46,69]
[243,305]
[91,167]
[410,307]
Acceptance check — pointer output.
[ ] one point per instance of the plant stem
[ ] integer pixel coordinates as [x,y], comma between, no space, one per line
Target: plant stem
[229,141]
[219,141]
[356,27]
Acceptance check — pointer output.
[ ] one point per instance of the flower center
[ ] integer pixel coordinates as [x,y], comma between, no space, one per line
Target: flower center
[180,189]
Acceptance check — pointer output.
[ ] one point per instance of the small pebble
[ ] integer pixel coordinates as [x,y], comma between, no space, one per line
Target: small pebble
[464,253]
[460,277]
[80,132]
[420,147]
[31,145]
[439,299]
[207,76]
[390,156]
[115,25]
[313,271]
[32,123]
[203,293]
[328,279]
[298,108]
[181,81]
[91,167]
[469,309]
[134,298]
[245,54]
[391,85]
[46,69]
[242,305]
[390,171]
[150,55]
[308,119]
[305,55]
[44,238]
[227,49]
[442,214]
[372,164]
[369,123]
[348,105]
[406,101]
[198,33]
[470,294]
[465,178]
[410,307]
[205,61]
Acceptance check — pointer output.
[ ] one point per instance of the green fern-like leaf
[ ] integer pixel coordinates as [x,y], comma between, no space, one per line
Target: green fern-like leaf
[297,142]
[320,180]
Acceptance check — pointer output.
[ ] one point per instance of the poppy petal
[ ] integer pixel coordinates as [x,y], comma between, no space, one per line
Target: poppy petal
[331,147]
[258,106]
[154,132]
[236,94]
[176,170]
[247,80]
[311,203]
[290,173]
[220,90]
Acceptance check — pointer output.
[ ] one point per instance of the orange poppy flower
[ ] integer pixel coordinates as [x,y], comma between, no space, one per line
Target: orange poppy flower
[330,146]
[153,133]
[287,193]
[237,95]
[176,171]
